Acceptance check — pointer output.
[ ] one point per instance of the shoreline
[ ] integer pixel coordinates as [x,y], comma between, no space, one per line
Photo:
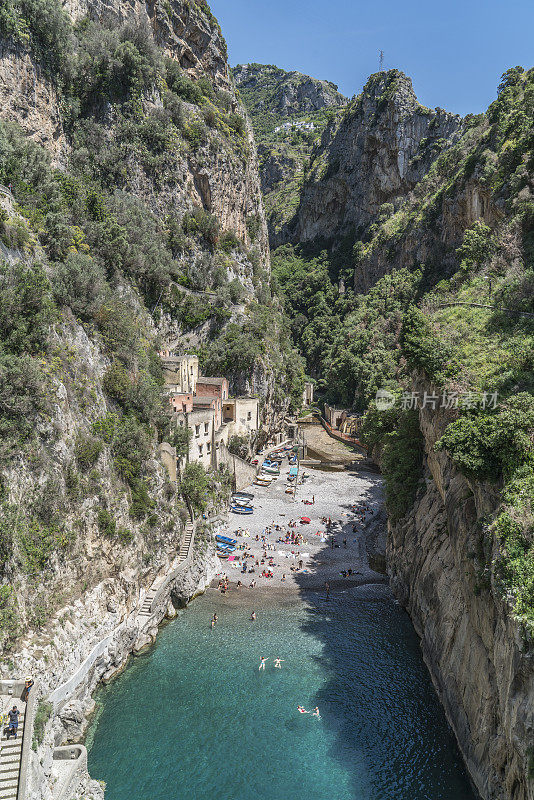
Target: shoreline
[74,719]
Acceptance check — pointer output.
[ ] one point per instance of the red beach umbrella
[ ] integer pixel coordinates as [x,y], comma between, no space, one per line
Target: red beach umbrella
[305,520]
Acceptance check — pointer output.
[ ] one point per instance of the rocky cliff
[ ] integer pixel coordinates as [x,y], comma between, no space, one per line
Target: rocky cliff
[412,271]
[289,112]
[383,145]
[442,562]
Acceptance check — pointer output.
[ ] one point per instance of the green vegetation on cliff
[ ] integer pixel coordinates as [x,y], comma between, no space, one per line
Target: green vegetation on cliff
[460,322]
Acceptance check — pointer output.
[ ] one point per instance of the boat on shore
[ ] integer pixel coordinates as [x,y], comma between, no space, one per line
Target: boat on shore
[241,509]
[271,470]
[225,541]
[242,496]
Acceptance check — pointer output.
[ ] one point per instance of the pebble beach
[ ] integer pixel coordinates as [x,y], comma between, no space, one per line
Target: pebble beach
[350,498]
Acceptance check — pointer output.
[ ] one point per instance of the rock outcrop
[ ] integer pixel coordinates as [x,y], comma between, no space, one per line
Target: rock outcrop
[381,148]
[284,95]
[29,99]
[440,561]
[289,112]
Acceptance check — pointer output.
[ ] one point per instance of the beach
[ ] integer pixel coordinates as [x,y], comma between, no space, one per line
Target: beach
[351,498]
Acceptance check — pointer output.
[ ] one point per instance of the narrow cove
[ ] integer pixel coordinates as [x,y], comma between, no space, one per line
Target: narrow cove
[194,717]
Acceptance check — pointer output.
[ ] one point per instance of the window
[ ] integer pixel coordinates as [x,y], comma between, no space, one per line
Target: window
[206,427]
[197,430]
[249,415]
[200,449]
[208,447]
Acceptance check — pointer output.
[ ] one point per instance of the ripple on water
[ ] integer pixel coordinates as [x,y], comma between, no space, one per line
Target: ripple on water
[195,718]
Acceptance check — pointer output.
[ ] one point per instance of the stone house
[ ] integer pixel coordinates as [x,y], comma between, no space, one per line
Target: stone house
[212,387]
[242,415]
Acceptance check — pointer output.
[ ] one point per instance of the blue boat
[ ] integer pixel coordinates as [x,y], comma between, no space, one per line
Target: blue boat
[225,548]
[225,540]
[242,509]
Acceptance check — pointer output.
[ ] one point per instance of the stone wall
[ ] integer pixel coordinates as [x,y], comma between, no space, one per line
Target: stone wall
[243,472]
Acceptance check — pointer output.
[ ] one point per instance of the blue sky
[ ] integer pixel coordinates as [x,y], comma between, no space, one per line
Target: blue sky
[454,50]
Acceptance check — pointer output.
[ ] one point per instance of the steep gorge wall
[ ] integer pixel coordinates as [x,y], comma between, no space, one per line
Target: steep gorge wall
[219,179]
[481,659]
[383,145]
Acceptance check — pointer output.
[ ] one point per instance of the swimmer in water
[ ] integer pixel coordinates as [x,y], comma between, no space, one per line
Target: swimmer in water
[278,662]
[214,620]
[262,663]
[315,712]
[253,616]
[302,710]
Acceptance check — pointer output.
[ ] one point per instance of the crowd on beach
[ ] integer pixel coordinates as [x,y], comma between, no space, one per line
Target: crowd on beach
[262,563]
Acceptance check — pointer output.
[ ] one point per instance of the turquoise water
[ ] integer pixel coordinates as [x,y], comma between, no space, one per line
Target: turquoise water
[195,718]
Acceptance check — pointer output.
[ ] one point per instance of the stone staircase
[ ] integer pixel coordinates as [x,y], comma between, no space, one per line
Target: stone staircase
[146,608]
[10,760]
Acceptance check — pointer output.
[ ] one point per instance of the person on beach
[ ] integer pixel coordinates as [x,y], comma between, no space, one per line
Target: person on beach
[262,663]
[278,663]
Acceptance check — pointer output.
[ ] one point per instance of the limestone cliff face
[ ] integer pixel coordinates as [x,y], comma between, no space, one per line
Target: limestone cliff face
[185,30]
[26,97]
[289,112]
[382,147]
[217,177]
[440,561]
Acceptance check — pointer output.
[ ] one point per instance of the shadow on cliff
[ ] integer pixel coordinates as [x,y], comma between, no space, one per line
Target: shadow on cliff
[389,731]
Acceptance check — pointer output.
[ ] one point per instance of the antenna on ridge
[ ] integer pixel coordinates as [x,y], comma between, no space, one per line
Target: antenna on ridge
[380,60]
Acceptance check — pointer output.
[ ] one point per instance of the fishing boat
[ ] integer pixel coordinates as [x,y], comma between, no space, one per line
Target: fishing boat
[238,502]
[225,541]
[271,470]
[242,509]
[225,551]
[242,496]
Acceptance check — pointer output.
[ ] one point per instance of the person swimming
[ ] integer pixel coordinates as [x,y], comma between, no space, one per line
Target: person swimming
[278,662]
[315,712]
[253,616]
[262,663]
[214,620]
[302,710]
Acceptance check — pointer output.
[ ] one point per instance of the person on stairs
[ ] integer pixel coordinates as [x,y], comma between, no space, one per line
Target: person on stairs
[13,722]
